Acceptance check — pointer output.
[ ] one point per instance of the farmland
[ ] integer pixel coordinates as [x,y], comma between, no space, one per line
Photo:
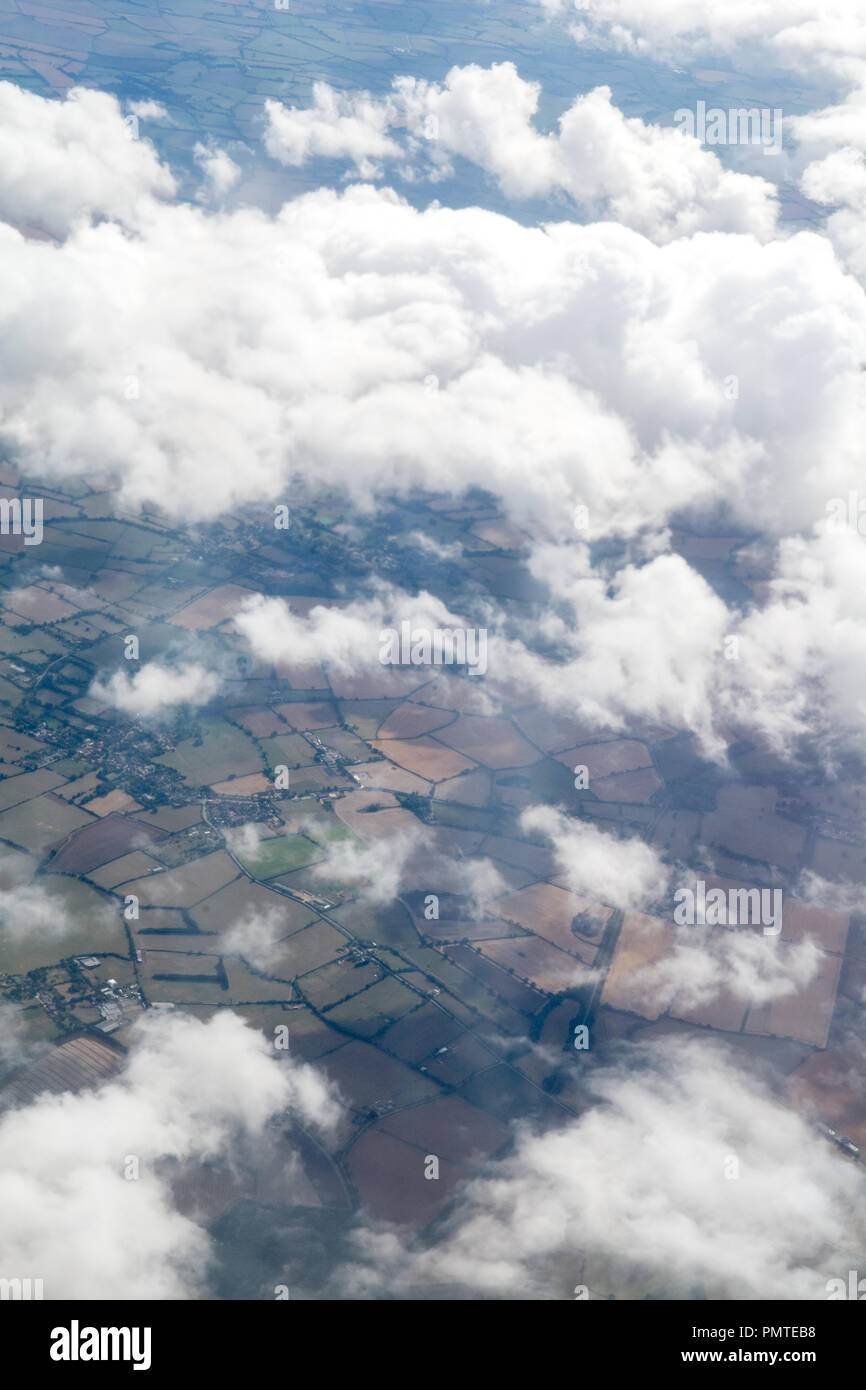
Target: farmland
[437,1029]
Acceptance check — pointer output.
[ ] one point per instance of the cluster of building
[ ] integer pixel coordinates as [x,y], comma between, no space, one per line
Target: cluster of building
[840,1140]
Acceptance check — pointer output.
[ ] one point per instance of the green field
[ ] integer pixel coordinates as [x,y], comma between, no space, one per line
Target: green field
[329,831]
[375,1008]
[280,855]
[223,750]
[93,926]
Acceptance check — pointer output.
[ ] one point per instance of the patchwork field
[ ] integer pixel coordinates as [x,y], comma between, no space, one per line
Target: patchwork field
[213,608]
[184,886]
[279,855]
[571,923]
[372,1010]
[426,758]
[223,750]
[39,823]
[493,742]
[543,965]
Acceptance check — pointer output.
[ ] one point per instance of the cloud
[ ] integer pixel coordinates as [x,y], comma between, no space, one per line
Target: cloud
[189,1090]
[615,649]
[345,638]
[256,936]
[653,179]
[712,377]
[706,962]
[336,126]
[621,873]
[802,656]
[243,840]
[65,160]
[839,181]
[29,910]
[377,871]
[631,416]
[625,650]
[156,689]
[833,897]
[783,33]
[452,551]
[837,128]
[480,880]
[16,1045]
[688,1178]
[220,170]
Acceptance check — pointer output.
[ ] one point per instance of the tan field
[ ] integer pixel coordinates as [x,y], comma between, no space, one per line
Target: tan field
[379,682]
[425,758]
[390,778]
[35,605]
[115,801]
[642,942]
[260,722]
[493,742]
[726,1010]
[633,787]
[602,759]
[302,675]
[805,1014]
[251,785]
[374,825]
[470,789]
[315,714]
[799,920]
[409,720]
[757,835]
[831,1085]
[516,854]
[212,608]
[552,732]
[535,960]
[548,911]
[454,693]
